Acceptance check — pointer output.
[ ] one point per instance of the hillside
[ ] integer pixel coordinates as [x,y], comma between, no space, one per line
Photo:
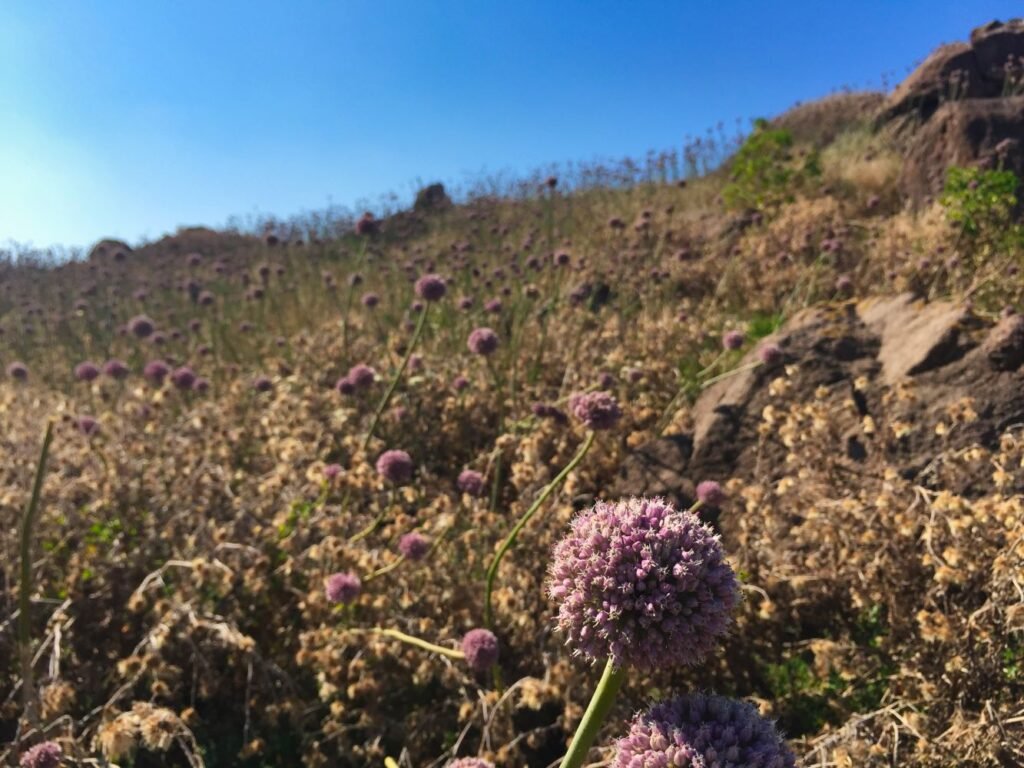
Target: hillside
[827,326]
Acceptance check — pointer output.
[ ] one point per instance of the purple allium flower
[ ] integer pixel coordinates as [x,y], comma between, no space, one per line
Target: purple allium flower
[206,299]
[605,380]
[697,730]
[342,587]
[155,371]
[183,377]
[345,386]
[17,371]
[87,371]
[460,383]
[470,762]
[481,649]
[201,385]
[597,410]
[769,354]
[732,339]
[87,425]
[493,306]
[431,288]
[465,303]
[416,363]
[331,471]
[844,284]
[482,341]
[414,546]
[562,259]
[362,375]
[470,481]
[710,493]
[262,384]
[367,225]
[395,466]
[115,369]
[370,300]
[642,584]
[355,279]
[45,755]
[141,326]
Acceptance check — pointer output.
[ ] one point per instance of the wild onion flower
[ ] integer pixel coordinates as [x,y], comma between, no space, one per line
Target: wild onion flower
[17,371]
[431,288]
[413,546]
[345,386]
[561,259]
[262,384]
[87,425]
[362,376]
[493,306]
[597,410]
[732,340]
[481,649]
[641,585]
[201,385]
[87,371]
[370,300]
[155,371]
[183,378]
[460,383]
[342,587]
[605,380]
[769,354]
[698,730]
[395,466]
[115,369]
[470,762]
[470,481]
[45,755]
[367,225]
[331,471]
[465,303]
[141,326]
[482,341]
[710,493]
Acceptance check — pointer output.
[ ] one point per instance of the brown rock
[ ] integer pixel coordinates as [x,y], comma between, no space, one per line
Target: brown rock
[995,44]
[949,72]
[1004,345]
[915,337]
[656,468]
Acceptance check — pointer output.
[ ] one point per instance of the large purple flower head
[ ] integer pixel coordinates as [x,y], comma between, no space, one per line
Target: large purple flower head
[431,288]
[698,731]
[470,762]
[156,371]
[470,481]
[597,410]
[642,584]
[482,341]
[481,649]
[342,587]
[45,755]
[87,371]
[414,546]
[395,466]
[141,326]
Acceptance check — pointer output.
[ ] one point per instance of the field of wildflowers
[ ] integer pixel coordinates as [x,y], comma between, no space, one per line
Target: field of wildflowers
[344,493]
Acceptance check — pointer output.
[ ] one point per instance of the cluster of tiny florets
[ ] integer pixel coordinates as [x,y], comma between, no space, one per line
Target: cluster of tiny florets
[700,731]
[482,341]
[45,755]
[414,546]
[470,762]
[430,287]
[470,481]
[395,466]
[481,649]
[342,587]
[642,584]
[597,410]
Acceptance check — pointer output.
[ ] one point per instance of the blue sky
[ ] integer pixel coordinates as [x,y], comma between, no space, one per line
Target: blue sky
[130,118]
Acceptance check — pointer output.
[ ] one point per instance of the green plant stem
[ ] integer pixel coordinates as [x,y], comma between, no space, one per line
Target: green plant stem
[733,372]
[25,586]
[395,634]
[492,569]
[600,703]
[420,324]
[385,569]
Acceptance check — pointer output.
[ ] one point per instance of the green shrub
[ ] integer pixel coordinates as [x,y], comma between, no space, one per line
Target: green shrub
[764,171]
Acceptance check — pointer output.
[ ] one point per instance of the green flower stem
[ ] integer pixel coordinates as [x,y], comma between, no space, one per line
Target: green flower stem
[733,372]
[492,569]
[385,569]
[394,634]
[420,324]
[597,710]
[25,586]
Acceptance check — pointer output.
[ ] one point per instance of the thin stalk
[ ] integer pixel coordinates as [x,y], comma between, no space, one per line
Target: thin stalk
[385,569]
[597,710]
[395,634]
[492,569]
[420,324]
[25,586]
[733,372]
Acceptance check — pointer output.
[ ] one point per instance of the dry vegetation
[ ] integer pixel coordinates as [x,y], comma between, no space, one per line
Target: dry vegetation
[178,610]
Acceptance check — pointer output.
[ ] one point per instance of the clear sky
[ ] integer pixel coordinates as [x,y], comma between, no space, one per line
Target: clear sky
[128,118]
